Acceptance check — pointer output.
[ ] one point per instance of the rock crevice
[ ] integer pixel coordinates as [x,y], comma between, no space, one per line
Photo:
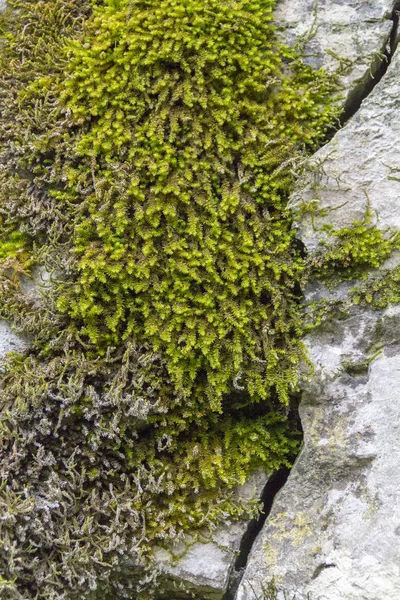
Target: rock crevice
[377,71]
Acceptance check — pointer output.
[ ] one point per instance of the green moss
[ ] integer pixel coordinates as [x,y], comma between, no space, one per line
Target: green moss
[189,246]
[355,251]
[14,246]
[379,289]
[150,159]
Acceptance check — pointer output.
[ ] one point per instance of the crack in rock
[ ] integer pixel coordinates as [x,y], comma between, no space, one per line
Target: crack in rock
[378,69]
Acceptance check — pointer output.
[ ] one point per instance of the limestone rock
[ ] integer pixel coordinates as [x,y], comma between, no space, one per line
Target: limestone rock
[334,530]
[360,165]
[9,341]
[206,566]
[345,36]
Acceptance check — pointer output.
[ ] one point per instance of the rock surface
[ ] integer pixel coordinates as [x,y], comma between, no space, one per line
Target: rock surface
[334,530]
[206,566]
[345,36]
[9,341]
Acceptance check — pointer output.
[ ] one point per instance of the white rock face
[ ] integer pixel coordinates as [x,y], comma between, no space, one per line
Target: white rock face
[360,165]
[334,530]
[9,341]
[345,36]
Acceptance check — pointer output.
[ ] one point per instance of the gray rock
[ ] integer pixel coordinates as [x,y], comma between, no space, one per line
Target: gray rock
[9,341]
[360,165]
[31,286]
[334,530]
[344,36]
[206,565]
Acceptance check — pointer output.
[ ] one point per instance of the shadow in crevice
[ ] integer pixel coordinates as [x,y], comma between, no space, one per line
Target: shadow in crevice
[274,484]
[377,70]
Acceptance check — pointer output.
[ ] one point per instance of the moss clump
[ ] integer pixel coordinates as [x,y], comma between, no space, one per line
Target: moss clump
[13,245]
[355,250]
[188,129]
[355,253]
[379,290]
[149,149]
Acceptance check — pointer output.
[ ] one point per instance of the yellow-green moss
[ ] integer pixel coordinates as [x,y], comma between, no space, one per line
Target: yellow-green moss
[352,252]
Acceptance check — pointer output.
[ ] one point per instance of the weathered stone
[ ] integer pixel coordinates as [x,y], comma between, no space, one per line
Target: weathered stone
[345,36]
[360,165]
[9,341]
[333,532]
[205,566]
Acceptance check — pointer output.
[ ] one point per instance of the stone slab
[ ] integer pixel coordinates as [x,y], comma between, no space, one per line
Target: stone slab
[344,36]
[9,341]
[206,566]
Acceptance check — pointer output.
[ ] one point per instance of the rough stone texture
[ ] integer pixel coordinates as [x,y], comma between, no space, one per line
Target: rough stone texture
[206,566]
[348,36]
[334,530]
[9,341]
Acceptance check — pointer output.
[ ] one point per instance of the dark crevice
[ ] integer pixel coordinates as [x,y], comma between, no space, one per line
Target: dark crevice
[377,70]
[321,568]
[274,484]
